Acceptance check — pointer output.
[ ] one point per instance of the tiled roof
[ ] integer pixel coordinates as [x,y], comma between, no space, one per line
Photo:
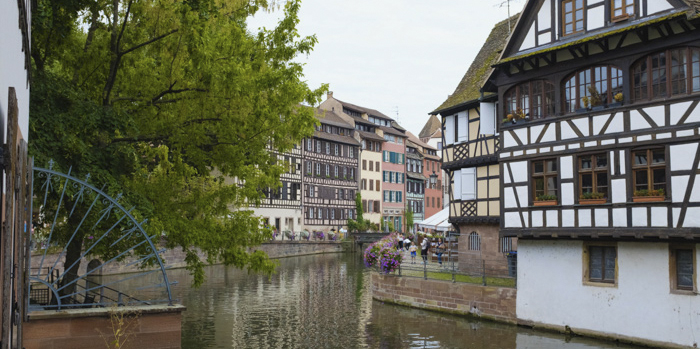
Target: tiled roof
[480,69]
[328,117]
[414,139]
[417,176]
[364,110]
[430,127]
[336,138]
[370,135]
[392,131]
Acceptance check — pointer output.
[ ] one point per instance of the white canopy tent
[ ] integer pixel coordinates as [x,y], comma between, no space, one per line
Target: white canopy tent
[437,221]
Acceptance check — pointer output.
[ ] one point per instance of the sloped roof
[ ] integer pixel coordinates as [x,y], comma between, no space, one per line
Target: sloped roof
[413,139]
[328,117]
[370,135]
[392,131]
[430,127]
[480,69]
[336,138]
[360,109]
[694,5]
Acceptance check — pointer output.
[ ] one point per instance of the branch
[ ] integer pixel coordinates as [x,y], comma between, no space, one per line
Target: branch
[149,42]
[139,139]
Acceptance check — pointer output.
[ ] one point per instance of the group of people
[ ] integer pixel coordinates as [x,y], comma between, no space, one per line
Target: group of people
[425,246]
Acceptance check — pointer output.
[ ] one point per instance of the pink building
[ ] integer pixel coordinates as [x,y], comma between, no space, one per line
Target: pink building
[394,176]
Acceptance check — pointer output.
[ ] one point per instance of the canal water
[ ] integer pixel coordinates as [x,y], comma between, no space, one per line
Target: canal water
[324,301]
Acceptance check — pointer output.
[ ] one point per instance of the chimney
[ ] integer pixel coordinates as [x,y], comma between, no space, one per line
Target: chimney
[329,95]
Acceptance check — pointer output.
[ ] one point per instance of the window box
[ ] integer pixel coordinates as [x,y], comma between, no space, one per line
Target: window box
[648,198]
[582,110]
[545,203]
[615,105]
[592,201]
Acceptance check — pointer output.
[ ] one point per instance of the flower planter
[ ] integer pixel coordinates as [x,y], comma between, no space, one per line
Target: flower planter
[597,108]
[582,110]
[592,201]
[648,198]
[545,203]
[615,105]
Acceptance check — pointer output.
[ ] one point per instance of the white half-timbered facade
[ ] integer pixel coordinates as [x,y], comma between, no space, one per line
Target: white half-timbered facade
[600,166]
[281,208]
[331,175]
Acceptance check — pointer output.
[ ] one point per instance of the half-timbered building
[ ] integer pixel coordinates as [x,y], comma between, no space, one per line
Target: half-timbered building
[600,165]
[281,208]
[469,157]
[330,178]
[415,180]
[370,126]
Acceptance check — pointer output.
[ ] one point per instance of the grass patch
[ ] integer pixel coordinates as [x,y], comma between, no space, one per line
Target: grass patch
[447,276]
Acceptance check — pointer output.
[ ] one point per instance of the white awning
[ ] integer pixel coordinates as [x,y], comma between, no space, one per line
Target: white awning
[437,221]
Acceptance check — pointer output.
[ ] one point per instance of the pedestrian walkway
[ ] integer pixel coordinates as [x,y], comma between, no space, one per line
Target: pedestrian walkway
[431,265]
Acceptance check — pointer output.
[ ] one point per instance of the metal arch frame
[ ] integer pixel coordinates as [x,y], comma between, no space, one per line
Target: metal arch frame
[113,203]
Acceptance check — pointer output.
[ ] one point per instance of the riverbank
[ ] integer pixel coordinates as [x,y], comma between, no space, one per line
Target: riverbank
[175,258]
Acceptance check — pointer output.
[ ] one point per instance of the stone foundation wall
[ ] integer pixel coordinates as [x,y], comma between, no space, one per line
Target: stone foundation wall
[156,327]
[494,303]
[495,260]
[175,258]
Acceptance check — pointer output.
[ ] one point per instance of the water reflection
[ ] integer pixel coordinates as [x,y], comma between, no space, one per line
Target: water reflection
[323,301]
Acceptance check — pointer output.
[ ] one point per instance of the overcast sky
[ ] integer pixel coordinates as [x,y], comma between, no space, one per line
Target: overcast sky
[395,56]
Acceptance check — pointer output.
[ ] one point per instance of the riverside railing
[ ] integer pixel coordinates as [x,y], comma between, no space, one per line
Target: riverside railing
[494,272]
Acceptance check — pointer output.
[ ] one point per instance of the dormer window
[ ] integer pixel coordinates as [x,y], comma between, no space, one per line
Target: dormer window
[573,16]
[667,73]
[622,9]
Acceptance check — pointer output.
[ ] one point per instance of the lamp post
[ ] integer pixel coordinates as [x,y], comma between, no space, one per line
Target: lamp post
[433,180]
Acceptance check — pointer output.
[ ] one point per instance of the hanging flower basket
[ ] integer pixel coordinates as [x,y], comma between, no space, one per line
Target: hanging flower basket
[304,234]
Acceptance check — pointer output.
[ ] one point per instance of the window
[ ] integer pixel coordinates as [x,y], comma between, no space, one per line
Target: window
[534,99]
[371,165]
[376,186]
[474,242]
[312,213]
[649,172]
[572,16]
[592,87]
[318,169]
[593,176]
[506,244]
[544,180]
[336,149]
[318,146]
[320,213]
[309,167]
[682,267]
[351,154]
[371,184]
[335,171]
[364,165]
[345,172]
[376,166]
[668,73]
[332,213]
[328,170]
[309,145]
[602,261]
[622,9]
[312,191]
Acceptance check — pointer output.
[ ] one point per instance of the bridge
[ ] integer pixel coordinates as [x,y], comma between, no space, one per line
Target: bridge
[361,238]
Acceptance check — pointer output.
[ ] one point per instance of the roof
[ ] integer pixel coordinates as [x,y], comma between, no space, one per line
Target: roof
[364,110]
[370,135]
[469,89]
[336,138]
[430,127]
[328,117]
[693,5]
[392,131]
[417,176]
[414,156]
[418,142]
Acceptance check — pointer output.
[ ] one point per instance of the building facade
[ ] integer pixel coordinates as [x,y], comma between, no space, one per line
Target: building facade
[281,208]
[433,188]
[330,178]
[415,181]
[431,134]
[469,157]
[393,179]
[600,161]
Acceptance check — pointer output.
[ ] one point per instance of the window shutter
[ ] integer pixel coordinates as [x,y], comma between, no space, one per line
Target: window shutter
[463,127]
[468,183]
[457,185]
[449,130]
[487,118]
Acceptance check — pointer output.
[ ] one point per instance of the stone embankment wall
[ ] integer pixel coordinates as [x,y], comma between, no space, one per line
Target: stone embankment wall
[156,327]
[494,303]
[175,258]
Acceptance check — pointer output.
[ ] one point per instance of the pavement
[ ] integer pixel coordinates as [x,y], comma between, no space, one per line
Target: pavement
[431,265]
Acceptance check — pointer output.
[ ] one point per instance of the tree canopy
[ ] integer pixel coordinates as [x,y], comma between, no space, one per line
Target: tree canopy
[175,104]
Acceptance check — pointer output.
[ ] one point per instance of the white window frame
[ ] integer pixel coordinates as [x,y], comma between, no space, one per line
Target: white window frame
[468,187]
[462,132]
[449,130]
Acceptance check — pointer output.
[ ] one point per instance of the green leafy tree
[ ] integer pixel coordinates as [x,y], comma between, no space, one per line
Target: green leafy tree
[409,219]
[358,207]
[168,101]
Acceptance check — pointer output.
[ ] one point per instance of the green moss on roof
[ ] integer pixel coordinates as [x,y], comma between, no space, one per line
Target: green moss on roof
[480,69]
[590,38]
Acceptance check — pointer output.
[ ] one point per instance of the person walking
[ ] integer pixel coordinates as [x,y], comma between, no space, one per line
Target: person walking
[439,250]
[407,243]
[400,238]
[424,245]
